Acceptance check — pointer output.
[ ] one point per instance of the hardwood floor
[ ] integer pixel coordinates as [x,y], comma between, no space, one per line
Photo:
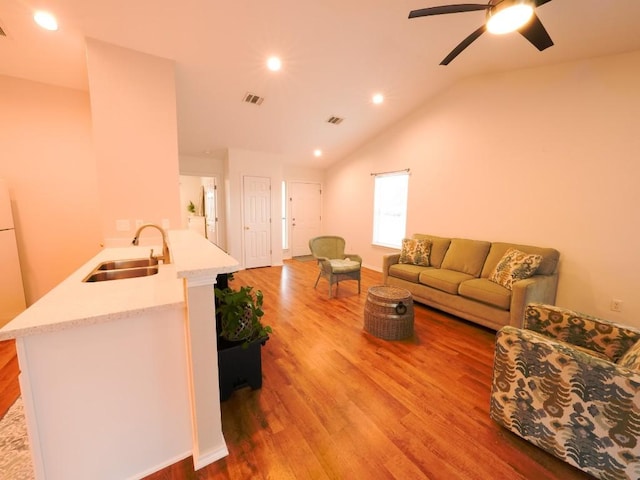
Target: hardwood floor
[9,388]
[338,403]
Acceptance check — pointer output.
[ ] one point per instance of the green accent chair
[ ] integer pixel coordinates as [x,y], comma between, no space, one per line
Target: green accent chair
[570,384]
[334,264]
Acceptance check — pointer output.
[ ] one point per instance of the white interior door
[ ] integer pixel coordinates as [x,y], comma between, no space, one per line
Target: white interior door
[211,208]
[306,215]
[257,221]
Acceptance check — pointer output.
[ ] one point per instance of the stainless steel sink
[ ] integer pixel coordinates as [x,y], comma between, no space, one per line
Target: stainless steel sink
[119,269]
[103,275]
[133,263]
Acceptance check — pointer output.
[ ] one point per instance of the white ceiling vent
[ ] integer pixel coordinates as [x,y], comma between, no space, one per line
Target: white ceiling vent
[254,99]
[335,120]
[2,34]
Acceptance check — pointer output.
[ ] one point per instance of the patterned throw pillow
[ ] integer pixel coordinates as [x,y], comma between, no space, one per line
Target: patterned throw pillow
[514,265]
[415,252]
[631,359]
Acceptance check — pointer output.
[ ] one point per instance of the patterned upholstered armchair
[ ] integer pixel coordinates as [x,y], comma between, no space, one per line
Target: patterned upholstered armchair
[334,264]
[570,384]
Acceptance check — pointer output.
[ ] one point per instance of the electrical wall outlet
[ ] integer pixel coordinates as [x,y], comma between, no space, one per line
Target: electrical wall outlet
[616,305]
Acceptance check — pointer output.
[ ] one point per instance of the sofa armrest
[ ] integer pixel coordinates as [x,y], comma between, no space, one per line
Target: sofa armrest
[387,261]
[535,289]
[581,408]
[603,336]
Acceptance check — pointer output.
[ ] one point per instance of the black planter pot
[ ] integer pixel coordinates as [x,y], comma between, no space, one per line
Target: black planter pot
[239,366]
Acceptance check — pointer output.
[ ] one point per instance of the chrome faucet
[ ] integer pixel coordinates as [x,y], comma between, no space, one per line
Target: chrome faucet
[166,257]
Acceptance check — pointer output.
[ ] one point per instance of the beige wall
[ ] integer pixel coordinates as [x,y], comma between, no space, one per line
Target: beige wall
[133,105]
[74,166]
[545,156]
[564,176]
[47,158]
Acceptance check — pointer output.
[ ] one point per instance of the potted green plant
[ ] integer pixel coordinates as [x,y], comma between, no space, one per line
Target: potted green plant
[191,208]
[240,312]
[241,334]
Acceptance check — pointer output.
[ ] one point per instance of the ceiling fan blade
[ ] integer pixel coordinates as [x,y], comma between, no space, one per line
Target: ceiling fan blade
[462,7]
[541,2]
[462,45]
[535,32]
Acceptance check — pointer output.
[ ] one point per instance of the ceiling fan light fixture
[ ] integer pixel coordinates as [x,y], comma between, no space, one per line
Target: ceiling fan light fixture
[509,15]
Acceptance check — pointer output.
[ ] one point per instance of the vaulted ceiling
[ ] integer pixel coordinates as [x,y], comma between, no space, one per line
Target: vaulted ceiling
[336,54]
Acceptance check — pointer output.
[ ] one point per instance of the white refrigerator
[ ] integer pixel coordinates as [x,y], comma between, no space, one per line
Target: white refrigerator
[11,289]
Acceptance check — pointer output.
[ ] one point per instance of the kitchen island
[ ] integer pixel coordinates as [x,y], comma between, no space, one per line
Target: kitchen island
[119,378]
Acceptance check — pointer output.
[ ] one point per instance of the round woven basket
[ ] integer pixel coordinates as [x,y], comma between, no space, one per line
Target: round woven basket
[388,312]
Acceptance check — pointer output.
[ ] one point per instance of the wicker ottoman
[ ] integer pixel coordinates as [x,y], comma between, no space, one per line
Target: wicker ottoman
[388,313]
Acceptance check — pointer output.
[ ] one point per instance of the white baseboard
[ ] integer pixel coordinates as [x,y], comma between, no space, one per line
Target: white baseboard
[160,466]
[207,459]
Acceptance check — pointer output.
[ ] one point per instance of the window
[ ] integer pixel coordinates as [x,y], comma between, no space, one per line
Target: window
[390,208]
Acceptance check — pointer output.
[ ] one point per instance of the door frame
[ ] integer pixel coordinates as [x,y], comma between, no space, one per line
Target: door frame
[290,209]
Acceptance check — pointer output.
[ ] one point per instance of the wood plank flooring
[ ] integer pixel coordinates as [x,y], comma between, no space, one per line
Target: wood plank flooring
[338,403]
[9,371]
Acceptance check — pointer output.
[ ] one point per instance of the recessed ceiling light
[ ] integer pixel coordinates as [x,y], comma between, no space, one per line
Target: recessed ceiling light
[378,98]
[46,20]
[317,152]
[274,64]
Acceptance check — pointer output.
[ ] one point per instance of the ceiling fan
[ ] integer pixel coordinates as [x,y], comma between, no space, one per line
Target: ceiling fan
[498,14]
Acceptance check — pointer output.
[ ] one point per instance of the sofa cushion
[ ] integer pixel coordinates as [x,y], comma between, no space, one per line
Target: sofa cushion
[407,271]
[439,246]
[631,358]
[547,266]
[485,291]
[415,251]
[515,265]
[445,280]
[466,256]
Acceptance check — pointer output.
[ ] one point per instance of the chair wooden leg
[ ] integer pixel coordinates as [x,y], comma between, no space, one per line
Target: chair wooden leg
[317,279]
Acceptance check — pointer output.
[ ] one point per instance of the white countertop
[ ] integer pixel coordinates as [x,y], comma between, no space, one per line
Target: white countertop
[75,303]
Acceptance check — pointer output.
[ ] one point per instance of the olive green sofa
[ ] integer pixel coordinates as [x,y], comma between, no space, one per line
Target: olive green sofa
[457,279]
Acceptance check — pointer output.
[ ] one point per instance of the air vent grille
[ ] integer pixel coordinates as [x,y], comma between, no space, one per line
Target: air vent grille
[335,120]
[253,99]
[2,34]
